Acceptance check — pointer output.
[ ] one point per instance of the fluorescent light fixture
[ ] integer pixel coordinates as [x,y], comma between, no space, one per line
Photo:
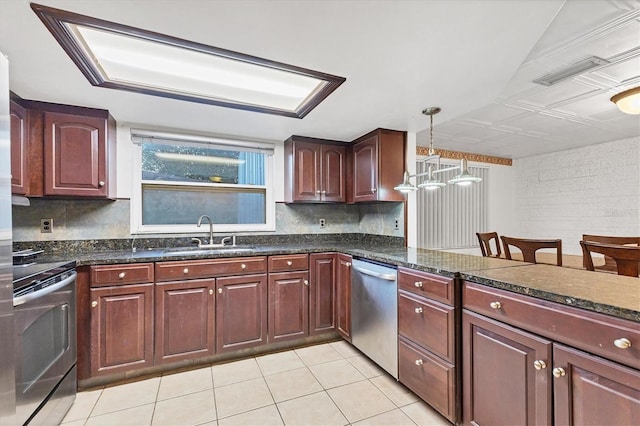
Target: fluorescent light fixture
[121,57]
[571,71]
[628,101]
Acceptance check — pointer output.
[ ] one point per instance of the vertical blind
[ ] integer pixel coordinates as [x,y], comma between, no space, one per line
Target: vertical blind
[449,217]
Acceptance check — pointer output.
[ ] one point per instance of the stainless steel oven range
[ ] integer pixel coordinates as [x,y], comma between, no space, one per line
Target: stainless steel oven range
[44,300]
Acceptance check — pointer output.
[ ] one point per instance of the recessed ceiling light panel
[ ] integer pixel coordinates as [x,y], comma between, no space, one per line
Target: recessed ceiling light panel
[121,57]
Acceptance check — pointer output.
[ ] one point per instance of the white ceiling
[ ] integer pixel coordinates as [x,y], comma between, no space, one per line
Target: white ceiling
[474,59]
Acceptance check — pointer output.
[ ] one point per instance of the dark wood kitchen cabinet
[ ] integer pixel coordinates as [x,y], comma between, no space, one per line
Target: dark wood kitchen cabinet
[121,299]
[241,312]
[19,150]
[184,320]
[519,354]
[427,345]
[501,384]
[301,301]
[343,295]
[322,293]
[288,297]
[378,166]
[62,150]
[315,170]
[77,155]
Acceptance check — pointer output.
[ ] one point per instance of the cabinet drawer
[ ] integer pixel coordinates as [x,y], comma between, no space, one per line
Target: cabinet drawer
[593,332]
[427,323]
[136,273]
[430,285]
[207,268]
[289,262]
[429,377]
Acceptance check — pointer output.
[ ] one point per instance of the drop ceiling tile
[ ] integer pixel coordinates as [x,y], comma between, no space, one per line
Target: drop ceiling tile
[560,92]
[494,113]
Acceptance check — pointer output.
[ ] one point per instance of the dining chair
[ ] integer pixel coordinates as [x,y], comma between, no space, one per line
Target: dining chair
[485,243]
[528,247]
[627,258]
[609,263]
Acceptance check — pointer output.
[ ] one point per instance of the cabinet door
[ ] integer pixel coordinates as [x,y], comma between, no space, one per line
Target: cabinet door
[241,312]
[184,323]
[288,305]
[19,140]
[332,186]
[501,383]
[121,328]
[306,173]
[75,155]
[365,170]
[592,391]
[322,293]
[343,296]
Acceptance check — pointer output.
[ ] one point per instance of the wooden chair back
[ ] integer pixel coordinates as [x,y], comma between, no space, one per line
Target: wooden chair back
[627,258]
[609,263]
[485,243]
[528,247]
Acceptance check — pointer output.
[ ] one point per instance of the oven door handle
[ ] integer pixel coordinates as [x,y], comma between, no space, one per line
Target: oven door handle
[20,300]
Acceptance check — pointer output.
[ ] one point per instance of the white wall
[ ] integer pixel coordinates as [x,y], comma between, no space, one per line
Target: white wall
[589,190]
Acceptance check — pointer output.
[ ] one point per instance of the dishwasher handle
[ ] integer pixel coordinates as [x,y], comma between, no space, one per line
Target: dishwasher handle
[386,277]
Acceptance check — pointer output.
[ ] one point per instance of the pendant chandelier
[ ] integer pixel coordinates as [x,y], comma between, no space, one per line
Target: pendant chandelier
[432,182]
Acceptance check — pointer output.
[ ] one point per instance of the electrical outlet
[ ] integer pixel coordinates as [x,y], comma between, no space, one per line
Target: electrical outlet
[46,226]
[323,223]
[397,225]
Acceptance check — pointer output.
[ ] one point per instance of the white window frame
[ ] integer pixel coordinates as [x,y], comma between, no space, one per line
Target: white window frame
[140,136]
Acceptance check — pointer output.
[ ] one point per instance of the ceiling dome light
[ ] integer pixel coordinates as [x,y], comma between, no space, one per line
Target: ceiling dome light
[628,101]
[464,178]
[406,186]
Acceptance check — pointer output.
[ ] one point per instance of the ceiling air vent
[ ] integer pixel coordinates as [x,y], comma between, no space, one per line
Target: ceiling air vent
[571,71]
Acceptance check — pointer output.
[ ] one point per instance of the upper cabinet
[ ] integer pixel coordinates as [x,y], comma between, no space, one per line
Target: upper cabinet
[315,170]
[19,149]
[378,166]
[61,150]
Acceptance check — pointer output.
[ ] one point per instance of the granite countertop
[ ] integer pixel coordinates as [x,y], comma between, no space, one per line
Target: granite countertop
[595,291]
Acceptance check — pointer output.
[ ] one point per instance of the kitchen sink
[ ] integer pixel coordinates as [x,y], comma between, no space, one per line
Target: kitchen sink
[194,251]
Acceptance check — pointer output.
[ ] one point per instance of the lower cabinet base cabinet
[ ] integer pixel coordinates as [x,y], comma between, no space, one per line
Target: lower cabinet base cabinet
[589,390]
[121,328]
[288,305]
[241,312]
[185,321]
[429,377]
[501,385]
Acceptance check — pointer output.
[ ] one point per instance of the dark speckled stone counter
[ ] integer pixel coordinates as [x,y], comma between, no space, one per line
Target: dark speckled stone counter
[595,291]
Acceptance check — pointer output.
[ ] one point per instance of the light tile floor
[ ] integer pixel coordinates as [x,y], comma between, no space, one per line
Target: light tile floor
[326,384]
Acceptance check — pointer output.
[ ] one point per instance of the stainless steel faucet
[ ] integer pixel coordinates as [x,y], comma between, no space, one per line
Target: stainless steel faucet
[211,245]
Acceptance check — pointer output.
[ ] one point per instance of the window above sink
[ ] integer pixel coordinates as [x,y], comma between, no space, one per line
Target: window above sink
[177,178]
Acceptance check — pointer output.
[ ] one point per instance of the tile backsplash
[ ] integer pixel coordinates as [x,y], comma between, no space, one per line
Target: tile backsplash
[101,219]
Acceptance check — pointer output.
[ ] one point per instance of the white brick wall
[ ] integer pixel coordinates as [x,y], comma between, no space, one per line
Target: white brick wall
[589,190]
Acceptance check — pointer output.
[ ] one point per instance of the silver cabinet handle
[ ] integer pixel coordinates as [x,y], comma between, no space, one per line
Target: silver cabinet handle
[220,291]
[418,284]
[305,282]
[495,305]
[348,264]
[243,266]
[94,304]
[558,372]
[101,183]
[419,362]
[289,263]
[185,271]
[539,364]
[622,343]
[121,275]
[418,310]
[210,291]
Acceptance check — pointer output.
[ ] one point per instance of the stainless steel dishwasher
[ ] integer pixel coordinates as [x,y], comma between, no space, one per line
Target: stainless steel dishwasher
[374,313]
